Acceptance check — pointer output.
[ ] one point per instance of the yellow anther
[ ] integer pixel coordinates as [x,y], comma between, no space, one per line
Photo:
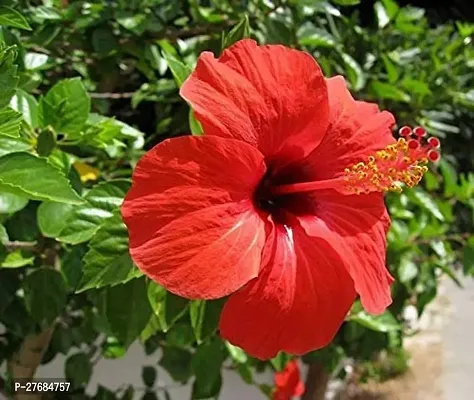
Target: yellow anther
[386,170]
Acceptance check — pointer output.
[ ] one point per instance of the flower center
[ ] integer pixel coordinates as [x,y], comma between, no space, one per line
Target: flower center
[264,198]
[402,163]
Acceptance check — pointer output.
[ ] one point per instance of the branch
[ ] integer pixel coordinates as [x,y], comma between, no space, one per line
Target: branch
[458,237]
[17,245]
[173,34]
[24,363]
[108,95]
[3,386]
[27,360]
[317,381]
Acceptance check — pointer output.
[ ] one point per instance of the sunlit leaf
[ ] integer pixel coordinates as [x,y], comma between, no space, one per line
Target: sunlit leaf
[32,177]
[11,17]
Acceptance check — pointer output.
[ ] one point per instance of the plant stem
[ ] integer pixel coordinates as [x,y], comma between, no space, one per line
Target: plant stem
[25,362]
[317,380]
[16,245]
[457,237]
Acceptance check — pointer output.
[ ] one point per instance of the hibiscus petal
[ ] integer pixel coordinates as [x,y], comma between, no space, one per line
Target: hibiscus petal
[191,223]
[356,227]
[288,383]
[272,97]
[356,130]
[297,303]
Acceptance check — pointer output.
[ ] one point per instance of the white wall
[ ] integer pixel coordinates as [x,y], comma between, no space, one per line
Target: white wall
[127,371]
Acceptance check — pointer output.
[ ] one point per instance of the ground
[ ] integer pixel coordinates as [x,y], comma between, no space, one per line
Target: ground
[441,354]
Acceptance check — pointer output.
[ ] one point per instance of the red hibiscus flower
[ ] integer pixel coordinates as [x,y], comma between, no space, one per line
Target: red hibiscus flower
[288,383]
[280,203]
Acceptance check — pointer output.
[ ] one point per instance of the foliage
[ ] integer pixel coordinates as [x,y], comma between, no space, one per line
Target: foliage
[87,87]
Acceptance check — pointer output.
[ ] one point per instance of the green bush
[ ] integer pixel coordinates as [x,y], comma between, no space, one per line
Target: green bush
[88,86]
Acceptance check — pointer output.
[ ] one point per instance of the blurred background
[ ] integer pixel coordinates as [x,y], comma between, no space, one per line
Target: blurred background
[94,84]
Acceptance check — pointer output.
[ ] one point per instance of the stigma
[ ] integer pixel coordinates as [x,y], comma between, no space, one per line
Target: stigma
[399,164]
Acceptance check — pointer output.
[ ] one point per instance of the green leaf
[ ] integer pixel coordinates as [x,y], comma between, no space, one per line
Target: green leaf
[354,72]
[205,317]
[179,70]
[451,273]
[391,69]
[267,390]
[128,310]
[466,99]
[167,47]
[175,307]
[22,226]
[177,362]
[468,257]
[415,86]
[150,396]
[238,32]
[309,35]
[35,60]
[407,270]
[10,122]
[108,261]
[112,349]
[427,202]
[167,306]
[149,375]
[128,394]
[206,364]
[11,17]
[441,128]
[100,203]
[329,357]
[3,235]
[8,76]
[391,7]
[382,16]
[245,373]
[52,217]
[63,162]
[104,394]
[194,124]
[236,353]
[65,107]
[449,178]
[13,145]
[43,13]
[45,294]
[16,259]
[135,22]
[379,323]
[11,203]
[72,265]
[384,90]
[27,106]
[32,177]
[280,360]
[46,143]
[151,328]
[278,32]
[78,370]
[180,335]
[431,181]
[104,42]
[346,2]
